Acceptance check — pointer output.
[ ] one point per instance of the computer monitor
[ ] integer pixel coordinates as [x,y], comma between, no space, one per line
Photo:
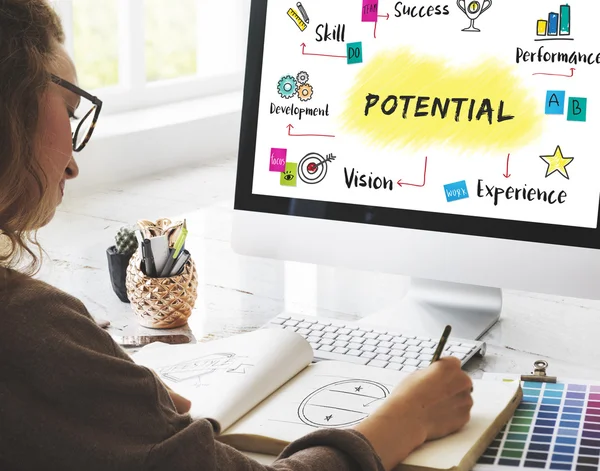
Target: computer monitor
[451,143]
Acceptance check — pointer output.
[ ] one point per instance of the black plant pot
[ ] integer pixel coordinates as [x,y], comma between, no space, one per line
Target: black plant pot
[117,267]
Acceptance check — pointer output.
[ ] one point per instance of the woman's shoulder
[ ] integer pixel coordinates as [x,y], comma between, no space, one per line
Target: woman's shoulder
[19,292]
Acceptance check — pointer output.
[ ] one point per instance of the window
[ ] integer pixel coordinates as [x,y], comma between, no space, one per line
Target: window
[141,53]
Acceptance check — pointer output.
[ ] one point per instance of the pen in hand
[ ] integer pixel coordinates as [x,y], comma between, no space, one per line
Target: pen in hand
[441,344]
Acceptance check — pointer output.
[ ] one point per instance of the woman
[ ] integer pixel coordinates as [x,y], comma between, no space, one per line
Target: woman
[70,398]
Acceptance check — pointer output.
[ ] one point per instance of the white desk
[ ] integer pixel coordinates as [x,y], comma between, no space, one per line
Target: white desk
[238,294]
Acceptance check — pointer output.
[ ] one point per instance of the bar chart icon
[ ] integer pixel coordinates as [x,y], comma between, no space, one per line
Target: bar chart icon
[557,25]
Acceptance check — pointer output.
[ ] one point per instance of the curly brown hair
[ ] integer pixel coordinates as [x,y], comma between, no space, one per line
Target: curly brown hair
[30,31]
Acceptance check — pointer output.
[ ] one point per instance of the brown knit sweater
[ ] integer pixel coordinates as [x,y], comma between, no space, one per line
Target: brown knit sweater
[71,399]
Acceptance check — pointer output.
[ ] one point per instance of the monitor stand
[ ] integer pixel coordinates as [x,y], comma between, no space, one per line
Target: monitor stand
[431,305]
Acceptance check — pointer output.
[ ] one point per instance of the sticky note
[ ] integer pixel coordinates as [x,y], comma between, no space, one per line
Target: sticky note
[370,10]
[354,51]
[277,160]
[290,175]
[577,109]
[555,102]
[456,191]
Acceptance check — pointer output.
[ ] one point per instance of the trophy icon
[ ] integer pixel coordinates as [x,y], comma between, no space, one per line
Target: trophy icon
[473,10]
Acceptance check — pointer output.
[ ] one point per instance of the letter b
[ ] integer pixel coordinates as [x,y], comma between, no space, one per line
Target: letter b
[577,109]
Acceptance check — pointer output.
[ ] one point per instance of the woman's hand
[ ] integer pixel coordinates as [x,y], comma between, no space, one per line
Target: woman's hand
[429,404]
[182,405]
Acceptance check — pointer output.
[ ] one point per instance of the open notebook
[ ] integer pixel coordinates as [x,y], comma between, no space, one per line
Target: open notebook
[261,392]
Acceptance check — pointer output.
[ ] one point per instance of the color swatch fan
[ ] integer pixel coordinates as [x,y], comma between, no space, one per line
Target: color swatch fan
[556,426]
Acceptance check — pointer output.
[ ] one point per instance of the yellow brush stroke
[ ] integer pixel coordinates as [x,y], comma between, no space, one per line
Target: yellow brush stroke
[403,72]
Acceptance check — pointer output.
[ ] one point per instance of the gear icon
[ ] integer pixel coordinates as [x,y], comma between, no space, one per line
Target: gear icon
[305,92]
[287,87]
[302,78]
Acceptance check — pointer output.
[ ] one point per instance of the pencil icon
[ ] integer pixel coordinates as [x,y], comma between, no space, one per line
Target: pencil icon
[302,12]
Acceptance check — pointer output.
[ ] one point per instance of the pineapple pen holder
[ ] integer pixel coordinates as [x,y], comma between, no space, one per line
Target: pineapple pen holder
[161,303]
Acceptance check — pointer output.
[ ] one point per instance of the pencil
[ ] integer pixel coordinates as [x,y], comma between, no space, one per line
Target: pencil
[441,344]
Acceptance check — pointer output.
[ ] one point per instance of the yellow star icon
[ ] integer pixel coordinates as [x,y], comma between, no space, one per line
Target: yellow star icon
[557,163]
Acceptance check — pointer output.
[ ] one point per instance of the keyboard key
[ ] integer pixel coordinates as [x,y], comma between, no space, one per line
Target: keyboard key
[344,331]
[382,357]
[378,363]
[399,340]
[340,350]
[325,348]
[385,337]
[344,338]
[409,337]
[330,329]
[339,343]
[385,344]
[427,344]
[291,323]
[354,352]
[399,347]
[358,340]
[316,333]
[424,339]
[425,357]
[289,327]
[347,358]
[411,355]
[397,353]
[412,362]
[461,349]
[304,325]
[326,342]
[399,360]
[303,332]
[329,335]
[428,351]
[382,350]
[283,316]
[368,355]
[372,342]
[315,346]
[357,333]
[371,335]
[460,356]
[394,366]
[409,369]
[313,339]
[424,364]
[318,327]
[414,349]
[354,346]
[367,348]
[413,342]
[470,346]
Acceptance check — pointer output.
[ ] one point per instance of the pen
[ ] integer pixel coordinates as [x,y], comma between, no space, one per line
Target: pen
[302,12]
[441,344]
[180,240]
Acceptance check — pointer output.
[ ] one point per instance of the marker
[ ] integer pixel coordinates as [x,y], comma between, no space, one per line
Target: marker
[441,344]
[302,12]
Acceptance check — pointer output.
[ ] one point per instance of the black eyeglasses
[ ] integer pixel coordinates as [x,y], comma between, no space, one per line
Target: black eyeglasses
[83,127]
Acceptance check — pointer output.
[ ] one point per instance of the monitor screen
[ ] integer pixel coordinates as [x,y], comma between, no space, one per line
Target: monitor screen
[475,118]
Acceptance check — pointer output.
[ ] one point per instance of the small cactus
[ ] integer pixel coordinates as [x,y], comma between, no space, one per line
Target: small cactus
[126,241]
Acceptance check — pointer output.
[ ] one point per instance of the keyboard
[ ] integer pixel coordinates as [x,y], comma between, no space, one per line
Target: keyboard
[332,339]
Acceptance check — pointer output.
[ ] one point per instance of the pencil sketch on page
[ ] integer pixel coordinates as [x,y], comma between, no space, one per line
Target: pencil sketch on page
[197,368]
[341,404]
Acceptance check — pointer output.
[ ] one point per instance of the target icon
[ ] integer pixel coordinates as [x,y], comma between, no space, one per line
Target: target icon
[312,169]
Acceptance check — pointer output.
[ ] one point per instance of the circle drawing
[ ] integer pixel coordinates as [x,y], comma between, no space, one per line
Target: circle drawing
[287,87]
[312,168]
[341,404]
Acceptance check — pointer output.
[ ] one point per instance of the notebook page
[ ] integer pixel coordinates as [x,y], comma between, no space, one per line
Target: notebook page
[226,378]
[326,394]
[340,395]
